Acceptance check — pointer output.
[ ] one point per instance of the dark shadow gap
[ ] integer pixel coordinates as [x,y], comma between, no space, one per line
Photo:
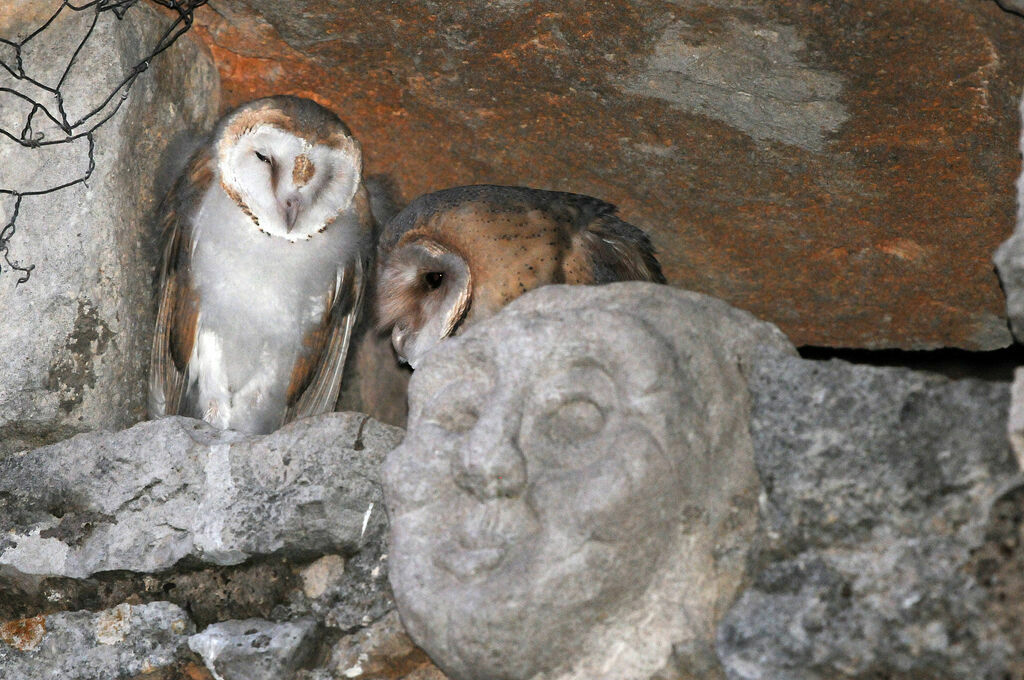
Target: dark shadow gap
[994,365]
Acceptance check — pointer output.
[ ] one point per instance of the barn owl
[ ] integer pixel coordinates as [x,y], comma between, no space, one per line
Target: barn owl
[457,256]
[268,234]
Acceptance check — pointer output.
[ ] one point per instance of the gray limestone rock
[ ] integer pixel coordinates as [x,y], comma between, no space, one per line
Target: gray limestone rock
[1012,5]
[116,644]
[75,338]
[1009,258]
[363,595]
[348,596]
[576,491]
[145,498]
[382,650]
[255,649]
[1015,423]
[879,484]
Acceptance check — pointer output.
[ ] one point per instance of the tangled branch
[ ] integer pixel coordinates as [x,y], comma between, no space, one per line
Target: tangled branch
[86,126]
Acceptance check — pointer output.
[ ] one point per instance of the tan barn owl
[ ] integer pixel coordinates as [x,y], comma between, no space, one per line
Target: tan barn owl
[268,235]
[457,256]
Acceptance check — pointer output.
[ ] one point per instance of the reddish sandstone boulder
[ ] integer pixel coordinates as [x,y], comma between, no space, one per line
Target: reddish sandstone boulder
[843,169]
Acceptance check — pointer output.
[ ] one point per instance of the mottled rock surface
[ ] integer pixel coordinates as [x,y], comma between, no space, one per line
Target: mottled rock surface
[150,496]
[382,651]
[346,598]
[841,169]
[255,649]
[997,565]
[575,494]
[881,554]
[75,338]
[115,644]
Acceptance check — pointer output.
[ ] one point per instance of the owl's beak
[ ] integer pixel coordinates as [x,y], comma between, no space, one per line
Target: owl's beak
[399,336]
[291,211]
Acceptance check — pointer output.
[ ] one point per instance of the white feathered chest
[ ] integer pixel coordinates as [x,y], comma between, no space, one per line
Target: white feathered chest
[268,235]
[260,296]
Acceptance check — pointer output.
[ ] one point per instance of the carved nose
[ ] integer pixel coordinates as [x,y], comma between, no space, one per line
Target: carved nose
[490,464]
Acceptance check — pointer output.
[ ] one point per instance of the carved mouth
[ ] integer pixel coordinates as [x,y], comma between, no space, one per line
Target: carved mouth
[487,534]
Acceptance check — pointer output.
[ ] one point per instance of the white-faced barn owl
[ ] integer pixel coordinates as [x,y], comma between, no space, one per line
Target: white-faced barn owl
[268,235]
[457,256]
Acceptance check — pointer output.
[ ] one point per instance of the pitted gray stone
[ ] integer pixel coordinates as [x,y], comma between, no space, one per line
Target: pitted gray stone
[255,649]
[147,497]
[879,484]
[116,644]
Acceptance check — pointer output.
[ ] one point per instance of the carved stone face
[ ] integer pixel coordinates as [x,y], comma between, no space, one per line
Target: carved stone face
[537,487]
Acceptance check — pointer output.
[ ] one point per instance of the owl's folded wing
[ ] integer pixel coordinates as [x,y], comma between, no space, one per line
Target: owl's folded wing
[618,251]
[316,377]
[178,310]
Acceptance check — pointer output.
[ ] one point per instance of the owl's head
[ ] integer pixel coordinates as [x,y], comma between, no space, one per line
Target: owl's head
[290,164]
[423,294]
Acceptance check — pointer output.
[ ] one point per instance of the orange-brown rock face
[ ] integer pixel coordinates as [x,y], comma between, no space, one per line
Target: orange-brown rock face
[843,169]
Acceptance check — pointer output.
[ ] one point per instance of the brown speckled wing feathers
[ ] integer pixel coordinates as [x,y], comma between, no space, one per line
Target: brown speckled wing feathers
[618,251]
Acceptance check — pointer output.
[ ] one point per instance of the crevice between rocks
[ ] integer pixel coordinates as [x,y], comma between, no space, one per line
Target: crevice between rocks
[208,594]
[993,365]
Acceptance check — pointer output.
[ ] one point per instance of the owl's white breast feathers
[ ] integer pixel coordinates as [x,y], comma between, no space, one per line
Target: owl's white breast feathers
[259,297]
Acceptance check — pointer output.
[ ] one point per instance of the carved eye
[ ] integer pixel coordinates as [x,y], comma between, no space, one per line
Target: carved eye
[575,420]
[263,158]
[433,280]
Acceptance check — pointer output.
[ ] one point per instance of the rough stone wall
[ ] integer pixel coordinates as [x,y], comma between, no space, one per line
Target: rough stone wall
[75,338]
[272,546]
[887,492]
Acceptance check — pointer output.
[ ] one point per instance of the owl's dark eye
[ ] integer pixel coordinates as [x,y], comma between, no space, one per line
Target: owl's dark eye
[263,158]
[433,280]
